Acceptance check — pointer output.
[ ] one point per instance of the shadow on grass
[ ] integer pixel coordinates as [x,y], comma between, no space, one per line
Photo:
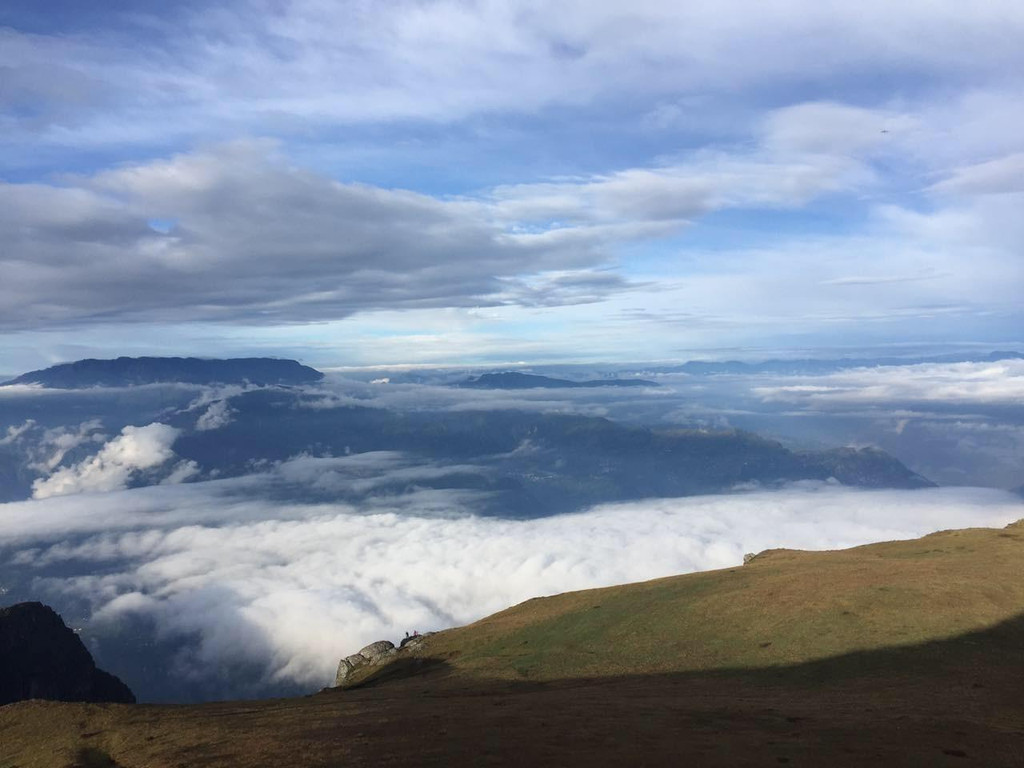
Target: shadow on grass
[995,653]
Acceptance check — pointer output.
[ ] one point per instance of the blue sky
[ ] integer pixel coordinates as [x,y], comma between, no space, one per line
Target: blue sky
[362,183]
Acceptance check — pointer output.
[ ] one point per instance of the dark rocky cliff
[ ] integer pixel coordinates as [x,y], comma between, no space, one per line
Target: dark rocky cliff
[40,658]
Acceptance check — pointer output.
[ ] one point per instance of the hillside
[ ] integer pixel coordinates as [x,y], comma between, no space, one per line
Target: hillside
[133,371]
[902,653]
[783,607]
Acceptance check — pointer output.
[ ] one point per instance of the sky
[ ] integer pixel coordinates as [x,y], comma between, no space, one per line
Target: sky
[482,183]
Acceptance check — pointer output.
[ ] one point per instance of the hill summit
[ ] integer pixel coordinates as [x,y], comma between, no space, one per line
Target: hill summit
[133,371]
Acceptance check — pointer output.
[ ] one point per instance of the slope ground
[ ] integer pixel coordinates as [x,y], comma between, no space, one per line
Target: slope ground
[903,653]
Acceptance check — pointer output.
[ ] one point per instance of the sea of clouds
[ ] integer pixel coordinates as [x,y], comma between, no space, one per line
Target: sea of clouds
[279,590]
[263,581]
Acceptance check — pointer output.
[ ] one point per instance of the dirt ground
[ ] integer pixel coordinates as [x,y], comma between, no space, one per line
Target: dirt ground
[970,713]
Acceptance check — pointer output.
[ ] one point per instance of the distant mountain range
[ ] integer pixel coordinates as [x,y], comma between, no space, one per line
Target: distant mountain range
[516,380]
[132,371]
[535,463]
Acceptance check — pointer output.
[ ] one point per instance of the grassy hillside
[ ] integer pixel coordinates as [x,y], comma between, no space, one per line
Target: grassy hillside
[784,607]
[897,654]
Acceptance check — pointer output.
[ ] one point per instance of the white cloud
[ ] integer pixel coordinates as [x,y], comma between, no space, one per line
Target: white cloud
[136,448]
[15,431]
[313,62]
[55,443]
[1002,175]
[802,152]
[256,241]
[293,587]
[957,384]
[923,152]
[218,414]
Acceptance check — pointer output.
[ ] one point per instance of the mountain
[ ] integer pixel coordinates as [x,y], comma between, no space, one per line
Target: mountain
[898,654]
[516,380]
[40,658]
[535,463]
[132,371]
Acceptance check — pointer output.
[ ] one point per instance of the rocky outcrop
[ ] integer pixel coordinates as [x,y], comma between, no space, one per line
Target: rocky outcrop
[376,654]
[372,655]
[40,658]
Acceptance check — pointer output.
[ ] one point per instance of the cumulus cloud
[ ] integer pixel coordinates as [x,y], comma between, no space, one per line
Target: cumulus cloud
[245,237]
[55,443]
[135,449]
[218,414]
[291,587]
[256,240]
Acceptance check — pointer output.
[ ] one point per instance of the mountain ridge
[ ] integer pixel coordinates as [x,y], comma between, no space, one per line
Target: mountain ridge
[135,371]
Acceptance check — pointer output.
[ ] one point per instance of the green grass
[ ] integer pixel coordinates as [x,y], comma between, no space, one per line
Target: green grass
[783,608]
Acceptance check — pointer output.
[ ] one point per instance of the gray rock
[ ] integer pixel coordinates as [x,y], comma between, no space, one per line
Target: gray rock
[371,655]
[344,670]
[375,652]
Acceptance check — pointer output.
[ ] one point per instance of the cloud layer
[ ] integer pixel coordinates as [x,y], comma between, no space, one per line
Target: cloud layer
[307,63]
[955,385]
[288,588]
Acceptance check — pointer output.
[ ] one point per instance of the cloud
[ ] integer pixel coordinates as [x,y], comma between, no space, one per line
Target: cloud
[218,414]
[802,152]
[135,449]
[15,432]
[247,238]
[290,587]
[999,176]
[256,66]
[961,385]
[54,444]
[257,241]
